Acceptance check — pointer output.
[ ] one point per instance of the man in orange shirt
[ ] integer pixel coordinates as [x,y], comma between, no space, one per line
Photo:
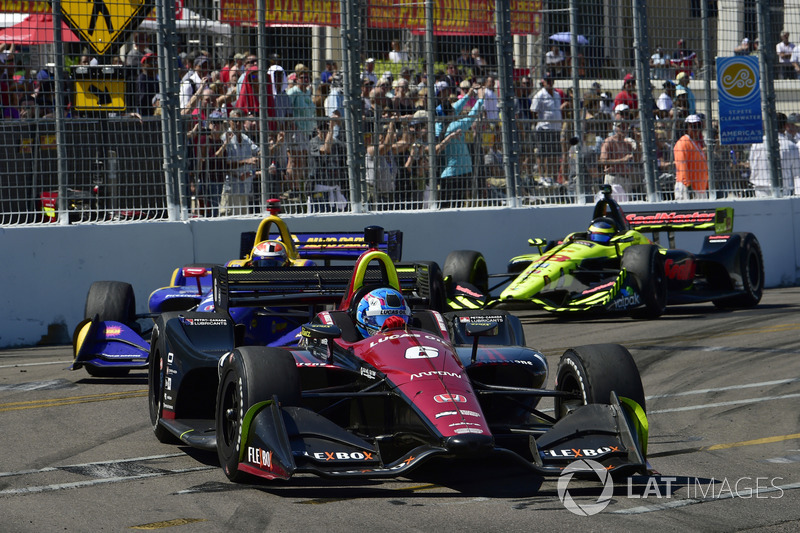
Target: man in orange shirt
[691,167]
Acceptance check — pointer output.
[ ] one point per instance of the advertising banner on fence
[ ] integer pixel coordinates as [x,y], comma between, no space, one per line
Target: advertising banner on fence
[452,17]
[739,93]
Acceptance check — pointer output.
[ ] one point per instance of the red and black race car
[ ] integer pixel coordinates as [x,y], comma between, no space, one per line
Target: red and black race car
[451,385]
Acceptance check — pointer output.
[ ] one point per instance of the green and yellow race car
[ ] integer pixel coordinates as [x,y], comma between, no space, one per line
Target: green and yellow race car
[615,267]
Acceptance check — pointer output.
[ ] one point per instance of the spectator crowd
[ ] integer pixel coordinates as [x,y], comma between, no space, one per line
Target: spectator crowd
[304,140]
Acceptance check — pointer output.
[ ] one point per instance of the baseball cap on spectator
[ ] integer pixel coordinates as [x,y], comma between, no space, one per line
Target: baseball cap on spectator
[621,108]
[681,75]
[595,85]
[405,71]
[239,57]
[298,68]
[465,85]
[629,77]
[419,116]
[370,60]
[745,41]
[366,81]
[147,56]
[441,85]
[793,118]
[200,60]
[693,119]
[388,74]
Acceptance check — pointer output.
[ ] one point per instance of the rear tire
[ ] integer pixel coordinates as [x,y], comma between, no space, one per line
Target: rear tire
[111,300]
[468,266]
[646,266]
[250,375]
[593,372]
[751,266]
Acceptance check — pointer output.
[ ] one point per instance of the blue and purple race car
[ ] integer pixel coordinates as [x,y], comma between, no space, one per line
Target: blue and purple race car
[112,339]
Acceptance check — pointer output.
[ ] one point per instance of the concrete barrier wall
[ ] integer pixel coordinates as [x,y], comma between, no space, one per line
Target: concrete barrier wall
[47,271]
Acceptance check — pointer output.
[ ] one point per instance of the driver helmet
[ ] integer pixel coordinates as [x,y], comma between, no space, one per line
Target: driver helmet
[602,229]
[269,254]
[376,307]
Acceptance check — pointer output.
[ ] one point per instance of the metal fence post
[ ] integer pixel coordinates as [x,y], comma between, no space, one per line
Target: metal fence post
[505,49]
[429,69]
[711,141]
[646,119]
[63,215]
[353,105]
[268,189]
[766,62]
[165,43]
[580,197]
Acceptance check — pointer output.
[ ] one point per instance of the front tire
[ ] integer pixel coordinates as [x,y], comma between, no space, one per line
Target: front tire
[111,300]
[593,372]
[645,265]
[751,266]
[468,266]
[250,375]
[156,377]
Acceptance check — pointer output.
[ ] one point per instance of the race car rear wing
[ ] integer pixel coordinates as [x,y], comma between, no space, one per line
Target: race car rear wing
[718,220]
[313,285]
[329,246]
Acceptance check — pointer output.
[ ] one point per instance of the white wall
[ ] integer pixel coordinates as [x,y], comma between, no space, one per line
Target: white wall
[47,270]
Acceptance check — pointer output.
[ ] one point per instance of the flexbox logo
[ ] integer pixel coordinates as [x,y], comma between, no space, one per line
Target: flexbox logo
[585,466]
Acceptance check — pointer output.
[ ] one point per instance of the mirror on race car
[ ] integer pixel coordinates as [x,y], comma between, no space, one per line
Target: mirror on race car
[484,328]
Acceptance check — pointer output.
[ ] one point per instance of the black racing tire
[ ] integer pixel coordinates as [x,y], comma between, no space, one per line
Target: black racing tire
[111,300]
[645,265]
[156,377]
[469,266]
[438,294]
[594,371]
[751,265]
[249,375]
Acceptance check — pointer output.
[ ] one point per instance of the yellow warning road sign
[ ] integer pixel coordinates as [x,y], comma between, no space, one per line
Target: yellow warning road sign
[101,23]
[100,95]
[99,88]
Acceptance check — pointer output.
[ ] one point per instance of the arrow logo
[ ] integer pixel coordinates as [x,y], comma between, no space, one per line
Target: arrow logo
[103,96]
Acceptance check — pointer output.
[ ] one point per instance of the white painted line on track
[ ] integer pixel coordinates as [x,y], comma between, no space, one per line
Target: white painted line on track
[89,483]
[117,461]
[721,389]
[692,501]
[38,364]
[724,404]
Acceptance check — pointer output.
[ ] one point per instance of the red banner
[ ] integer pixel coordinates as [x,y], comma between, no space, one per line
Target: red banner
[10,6]
[454,17]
